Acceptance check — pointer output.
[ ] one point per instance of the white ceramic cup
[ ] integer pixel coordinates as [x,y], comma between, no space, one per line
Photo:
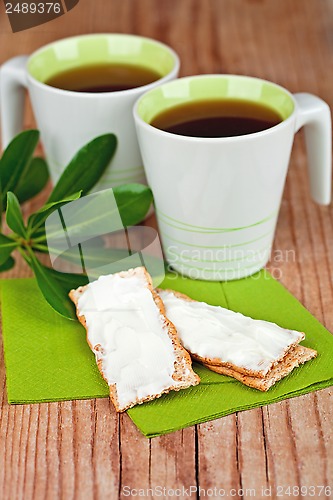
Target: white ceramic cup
[67,120]
[217,199]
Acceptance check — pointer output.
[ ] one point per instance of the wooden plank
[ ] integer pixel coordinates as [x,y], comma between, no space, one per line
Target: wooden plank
[135,457]
[218,454]
[172,460]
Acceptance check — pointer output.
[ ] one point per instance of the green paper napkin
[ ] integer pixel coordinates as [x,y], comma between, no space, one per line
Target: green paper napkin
[47,358]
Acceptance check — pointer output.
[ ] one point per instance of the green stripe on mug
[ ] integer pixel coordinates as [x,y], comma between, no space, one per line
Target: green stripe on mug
[208,230]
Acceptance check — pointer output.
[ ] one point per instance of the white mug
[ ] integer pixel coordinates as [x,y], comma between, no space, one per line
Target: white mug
[217,199]
[67,120]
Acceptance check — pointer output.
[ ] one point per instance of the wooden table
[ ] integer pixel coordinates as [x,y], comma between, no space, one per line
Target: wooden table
[83,449]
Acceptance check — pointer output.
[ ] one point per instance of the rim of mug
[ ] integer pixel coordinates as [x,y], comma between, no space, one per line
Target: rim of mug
[158,131]
[145,88]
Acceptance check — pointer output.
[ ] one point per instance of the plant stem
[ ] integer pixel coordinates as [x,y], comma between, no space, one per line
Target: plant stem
[42,248]
[24,255]
[31,253]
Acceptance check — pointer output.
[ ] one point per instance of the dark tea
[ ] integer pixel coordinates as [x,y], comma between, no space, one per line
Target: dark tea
[103,78]
[217,118]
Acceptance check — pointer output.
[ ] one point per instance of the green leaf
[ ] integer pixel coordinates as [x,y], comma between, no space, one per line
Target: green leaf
[7,265]
[7,245]
[68,280]
[33,180]
[93,257]
[53,289]
[86,168]
[15,160]
[39,233]
[37,219]
[133,202]
[98,258]
[14,217]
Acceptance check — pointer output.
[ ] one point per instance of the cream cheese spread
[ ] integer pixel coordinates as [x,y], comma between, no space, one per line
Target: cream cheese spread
[215,332]
[127,335]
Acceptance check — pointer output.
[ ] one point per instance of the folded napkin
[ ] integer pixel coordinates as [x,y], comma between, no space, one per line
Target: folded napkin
[48,359]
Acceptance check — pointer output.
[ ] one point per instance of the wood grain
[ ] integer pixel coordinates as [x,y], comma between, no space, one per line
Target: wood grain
[82,449]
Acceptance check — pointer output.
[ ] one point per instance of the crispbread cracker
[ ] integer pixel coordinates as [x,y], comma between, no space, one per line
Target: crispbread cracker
[183,375]
[295,357]
[230,366]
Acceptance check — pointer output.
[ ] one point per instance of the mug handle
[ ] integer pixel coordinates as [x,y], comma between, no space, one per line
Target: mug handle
[13,82]
[314,114]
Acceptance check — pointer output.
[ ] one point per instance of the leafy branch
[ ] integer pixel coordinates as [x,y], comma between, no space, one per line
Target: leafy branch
[23,177]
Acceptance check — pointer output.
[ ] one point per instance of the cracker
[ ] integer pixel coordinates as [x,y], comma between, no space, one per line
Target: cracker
[183,375]
[295,357]
[291,357]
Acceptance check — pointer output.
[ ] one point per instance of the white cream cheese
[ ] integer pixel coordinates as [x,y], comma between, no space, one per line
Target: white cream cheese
[127,334]
[215,332]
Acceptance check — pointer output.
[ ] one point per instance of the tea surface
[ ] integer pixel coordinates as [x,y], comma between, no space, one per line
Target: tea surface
[217,118]
[103,78]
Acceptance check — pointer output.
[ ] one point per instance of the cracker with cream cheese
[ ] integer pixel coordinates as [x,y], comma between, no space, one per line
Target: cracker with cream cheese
[256,352]
[295,357]
[136,347]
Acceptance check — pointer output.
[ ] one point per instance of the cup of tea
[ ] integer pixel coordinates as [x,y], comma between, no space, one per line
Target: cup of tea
[216,150]
[82,87]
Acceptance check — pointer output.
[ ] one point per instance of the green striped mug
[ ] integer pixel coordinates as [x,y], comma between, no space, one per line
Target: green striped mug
[217,199]
[66,119]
